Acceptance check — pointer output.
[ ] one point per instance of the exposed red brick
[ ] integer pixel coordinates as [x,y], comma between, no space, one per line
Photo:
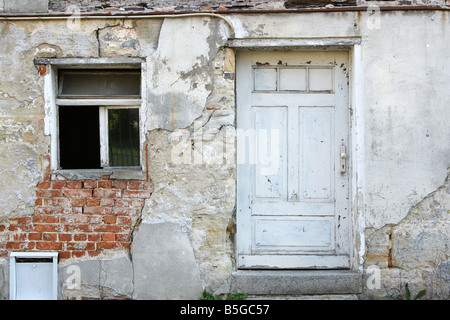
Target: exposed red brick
[119,184]
[77,210]
[75,193]
[90,246]
[19,245]
[93,202]
[35,236]
[136,185]
[111,228]
[19,237]
[123,237]
[136,194]
[94,237]
[126,211]
[59,184]
[105,184]
[123,220]
[78,254]
[107,245]
[64,254]
[42,70]
[77,218]
[48,193]
[97,210]
[108,237]
[74,184]
[65,237]
[45,219]
[78,202]
[107,193]
[80,237]
[21,227]
[107,202]
[89,184]
[63,202]
[49,245]
[21,220]
[94,253]
[44,185]
[46,228]
[50,236]
[109,219]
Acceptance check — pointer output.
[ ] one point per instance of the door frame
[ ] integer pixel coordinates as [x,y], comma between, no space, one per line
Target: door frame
[356,168]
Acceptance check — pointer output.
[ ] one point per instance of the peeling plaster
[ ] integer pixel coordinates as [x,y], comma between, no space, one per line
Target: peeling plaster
[173,102]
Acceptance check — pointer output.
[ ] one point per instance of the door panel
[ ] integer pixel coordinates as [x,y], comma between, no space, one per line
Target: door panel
[294,232]
[270,177]
[315,147]
[292,198]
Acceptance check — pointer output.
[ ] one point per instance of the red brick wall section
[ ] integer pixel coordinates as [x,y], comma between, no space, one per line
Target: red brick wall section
[77,218]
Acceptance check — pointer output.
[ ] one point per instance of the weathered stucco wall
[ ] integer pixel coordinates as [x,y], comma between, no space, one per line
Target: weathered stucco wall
[187,209]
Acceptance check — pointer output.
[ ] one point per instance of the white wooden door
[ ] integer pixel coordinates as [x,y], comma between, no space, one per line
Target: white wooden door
[293,176]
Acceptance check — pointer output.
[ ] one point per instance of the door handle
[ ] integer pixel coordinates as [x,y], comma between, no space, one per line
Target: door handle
[343,159]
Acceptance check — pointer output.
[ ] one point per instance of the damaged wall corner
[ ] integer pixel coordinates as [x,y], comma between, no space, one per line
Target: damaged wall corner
[414,251]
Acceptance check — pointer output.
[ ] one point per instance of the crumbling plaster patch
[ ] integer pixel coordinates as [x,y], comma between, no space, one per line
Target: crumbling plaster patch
[129,38]
[416,250]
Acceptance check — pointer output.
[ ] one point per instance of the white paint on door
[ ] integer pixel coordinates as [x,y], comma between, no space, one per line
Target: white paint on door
[293,200]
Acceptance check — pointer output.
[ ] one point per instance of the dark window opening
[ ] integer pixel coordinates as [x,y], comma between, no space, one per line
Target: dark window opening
[79,137]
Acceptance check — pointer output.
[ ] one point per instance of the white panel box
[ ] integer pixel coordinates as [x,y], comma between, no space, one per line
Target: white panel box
[33,275]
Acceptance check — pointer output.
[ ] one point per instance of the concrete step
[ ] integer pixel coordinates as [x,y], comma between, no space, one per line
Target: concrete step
[296,282]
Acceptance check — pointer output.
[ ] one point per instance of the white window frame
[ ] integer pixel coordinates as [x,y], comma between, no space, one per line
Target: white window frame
[104,134]
[52,104]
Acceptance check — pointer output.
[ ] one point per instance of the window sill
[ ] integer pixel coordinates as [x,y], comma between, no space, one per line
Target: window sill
[134,173]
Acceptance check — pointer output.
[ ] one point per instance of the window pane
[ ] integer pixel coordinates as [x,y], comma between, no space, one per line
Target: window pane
[321,79]
[265,79]
[100,83]
[79,138]
[293,79]
[124,146]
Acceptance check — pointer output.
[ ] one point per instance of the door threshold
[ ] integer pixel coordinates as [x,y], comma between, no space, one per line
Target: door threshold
[296,282]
